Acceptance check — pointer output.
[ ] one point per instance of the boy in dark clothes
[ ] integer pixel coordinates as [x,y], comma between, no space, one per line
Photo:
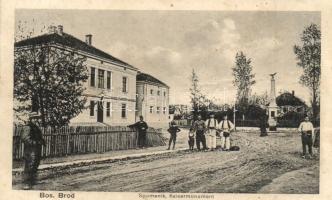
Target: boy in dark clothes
[173,130]
[191,140]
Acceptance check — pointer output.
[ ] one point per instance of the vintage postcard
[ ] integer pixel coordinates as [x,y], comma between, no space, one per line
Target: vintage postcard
[165,99]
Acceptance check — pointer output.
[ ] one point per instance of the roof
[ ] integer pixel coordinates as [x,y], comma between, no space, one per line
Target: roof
[148,78]
[70,41]
[288,99]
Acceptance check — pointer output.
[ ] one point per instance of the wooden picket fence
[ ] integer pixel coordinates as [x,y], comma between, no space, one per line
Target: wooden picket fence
[86,139]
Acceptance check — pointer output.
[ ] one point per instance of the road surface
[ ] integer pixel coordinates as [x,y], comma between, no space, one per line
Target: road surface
[270,164]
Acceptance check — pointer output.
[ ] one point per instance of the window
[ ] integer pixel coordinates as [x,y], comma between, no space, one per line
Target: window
[164,110]
[108,80]
[151,91]
[272,114]
[100,78]
[158,93]
[108,109]
[92,108]
[124,84]
[123,111]
[151,109]
[164,94]
[158,110]
[92,77]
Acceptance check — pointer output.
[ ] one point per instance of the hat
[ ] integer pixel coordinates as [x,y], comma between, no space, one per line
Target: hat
[173,123]
[34,115]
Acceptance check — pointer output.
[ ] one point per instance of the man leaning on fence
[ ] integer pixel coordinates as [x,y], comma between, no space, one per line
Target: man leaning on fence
[141,127]
[307,136]
[33,140]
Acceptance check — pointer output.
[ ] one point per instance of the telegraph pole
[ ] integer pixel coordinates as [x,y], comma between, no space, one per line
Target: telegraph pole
[234,113]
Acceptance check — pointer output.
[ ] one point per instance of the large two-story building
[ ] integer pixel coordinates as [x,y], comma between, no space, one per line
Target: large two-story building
[152,100]
[111,86]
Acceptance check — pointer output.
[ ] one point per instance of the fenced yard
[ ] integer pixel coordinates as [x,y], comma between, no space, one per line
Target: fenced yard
[82,139]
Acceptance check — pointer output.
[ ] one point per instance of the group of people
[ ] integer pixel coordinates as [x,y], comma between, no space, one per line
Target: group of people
[205,133]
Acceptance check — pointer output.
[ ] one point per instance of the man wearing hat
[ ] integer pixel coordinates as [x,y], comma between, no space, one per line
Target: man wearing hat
[199,127]
[33,141]
[226,127]
[141,127]
[211,125]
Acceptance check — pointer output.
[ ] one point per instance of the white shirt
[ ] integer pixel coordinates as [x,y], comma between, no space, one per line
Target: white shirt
[213,123]
[306,126]
[226,125]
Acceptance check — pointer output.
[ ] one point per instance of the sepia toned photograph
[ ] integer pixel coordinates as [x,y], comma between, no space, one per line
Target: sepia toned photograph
[166,101]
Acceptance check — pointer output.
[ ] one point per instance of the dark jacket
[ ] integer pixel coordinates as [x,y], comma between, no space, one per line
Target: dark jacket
[32,138]
[141,126]
[173,130]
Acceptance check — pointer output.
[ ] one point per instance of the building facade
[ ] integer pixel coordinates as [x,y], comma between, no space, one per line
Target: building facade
[111,86]
[152,100]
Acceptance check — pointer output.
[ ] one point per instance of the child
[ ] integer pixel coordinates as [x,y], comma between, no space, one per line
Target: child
[173,130]
[191,140]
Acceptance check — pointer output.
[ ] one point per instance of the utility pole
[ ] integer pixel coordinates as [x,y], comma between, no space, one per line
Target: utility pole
[234,114]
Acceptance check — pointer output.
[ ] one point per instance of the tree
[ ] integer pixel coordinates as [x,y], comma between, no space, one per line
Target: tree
[197,99]
[49,80]
[309,58]
[243,79]
[259,99]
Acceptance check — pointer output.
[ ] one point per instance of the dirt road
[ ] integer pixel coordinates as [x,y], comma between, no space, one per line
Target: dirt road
[266,165]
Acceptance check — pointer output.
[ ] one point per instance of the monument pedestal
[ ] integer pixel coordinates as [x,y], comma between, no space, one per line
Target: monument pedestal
[272,118]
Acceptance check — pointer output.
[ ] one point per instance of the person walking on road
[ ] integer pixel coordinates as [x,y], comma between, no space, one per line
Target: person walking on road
[226,127]
[211,125]
[141,127]
[307,136]
[199,127]
[173,130]
[33,140]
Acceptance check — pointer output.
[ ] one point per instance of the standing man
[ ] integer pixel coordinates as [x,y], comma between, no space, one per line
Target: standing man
[263,125]
[211,125]
[173,130]
[199,128]
[307,135]
[226,127]
[141,127]
[33,141]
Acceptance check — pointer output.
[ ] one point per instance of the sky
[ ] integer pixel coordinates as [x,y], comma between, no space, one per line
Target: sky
[170,44]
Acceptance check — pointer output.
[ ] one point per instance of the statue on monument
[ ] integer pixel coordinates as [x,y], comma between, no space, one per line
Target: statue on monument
[272,75]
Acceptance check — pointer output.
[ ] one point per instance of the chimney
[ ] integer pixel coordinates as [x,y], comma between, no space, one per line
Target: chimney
[60,30]
[293,93]
[88,39]
[52,29]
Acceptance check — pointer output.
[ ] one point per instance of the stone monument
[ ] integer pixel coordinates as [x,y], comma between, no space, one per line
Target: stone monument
[273,108]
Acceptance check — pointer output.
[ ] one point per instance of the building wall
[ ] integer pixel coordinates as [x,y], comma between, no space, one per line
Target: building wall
[114,95]
[148,104]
